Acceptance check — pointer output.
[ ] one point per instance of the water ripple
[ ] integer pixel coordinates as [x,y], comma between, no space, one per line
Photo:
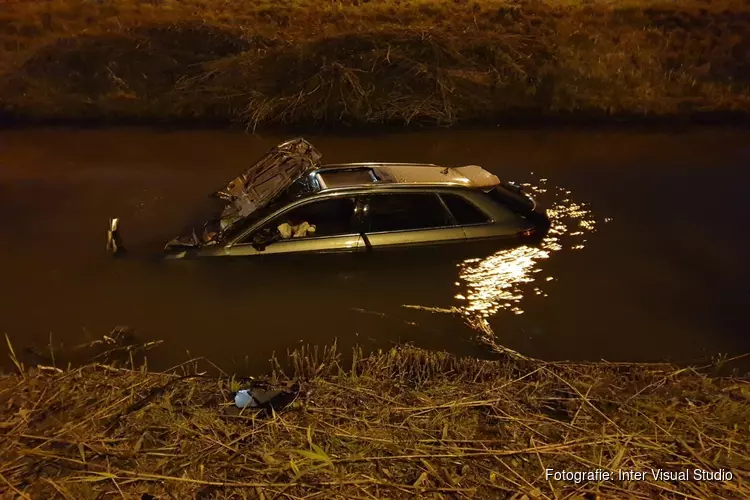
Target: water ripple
[502,280]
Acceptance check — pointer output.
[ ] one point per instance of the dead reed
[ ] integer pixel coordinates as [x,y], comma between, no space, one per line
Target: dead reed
[397,424]
[434,62]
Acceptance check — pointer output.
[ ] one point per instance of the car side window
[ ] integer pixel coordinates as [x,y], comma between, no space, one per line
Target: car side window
[463,210]
[330,217]
[399,212]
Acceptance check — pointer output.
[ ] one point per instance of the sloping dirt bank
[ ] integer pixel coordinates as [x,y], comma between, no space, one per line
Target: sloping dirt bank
[395,424]
[371,62]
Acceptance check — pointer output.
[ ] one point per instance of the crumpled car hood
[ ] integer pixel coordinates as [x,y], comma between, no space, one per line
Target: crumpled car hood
[255,188]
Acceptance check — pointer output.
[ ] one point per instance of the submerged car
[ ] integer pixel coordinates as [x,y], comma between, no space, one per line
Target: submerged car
[289,202]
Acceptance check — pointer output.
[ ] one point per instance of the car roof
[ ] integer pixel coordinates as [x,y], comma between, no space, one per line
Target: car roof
[376,175]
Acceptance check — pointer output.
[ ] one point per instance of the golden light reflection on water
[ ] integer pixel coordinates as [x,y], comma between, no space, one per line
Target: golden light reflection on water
[501,280]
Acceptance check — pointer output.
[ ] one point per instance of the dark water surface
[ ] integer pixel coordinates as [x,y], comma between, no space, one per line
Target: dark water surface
[650,260]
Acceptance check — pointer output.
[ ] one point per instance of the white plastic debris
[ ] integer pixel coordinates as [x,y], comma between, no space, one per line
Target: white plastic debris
[303,229]
[243,399]
[286,230]
[297,231]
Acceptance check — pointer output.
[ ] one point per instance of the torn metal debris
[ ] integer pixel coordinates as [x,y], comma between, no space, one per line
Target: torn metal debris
[255,188]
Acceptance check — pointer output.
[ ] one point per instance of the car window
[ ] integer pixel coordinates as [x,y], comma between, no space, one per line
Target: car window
[463,210]
[512,198]
[398,212]
[330,217]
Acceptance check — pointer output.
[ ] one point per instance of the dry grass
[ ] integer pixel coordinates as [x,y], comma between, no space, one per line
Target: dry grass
[378,61]
[397,424]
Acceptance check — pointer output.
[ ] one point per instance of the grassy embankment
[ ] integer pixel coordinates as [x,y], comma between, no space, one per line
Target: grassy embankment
[367,62]
[398,424]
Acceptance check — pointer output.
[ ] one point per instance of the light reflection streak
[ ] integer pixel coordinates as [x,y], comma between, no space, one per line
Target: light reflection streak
[499,281]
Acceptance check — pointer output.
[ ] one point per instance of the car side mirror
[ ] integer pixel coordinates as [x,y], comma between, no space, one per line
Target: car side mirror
[260,246]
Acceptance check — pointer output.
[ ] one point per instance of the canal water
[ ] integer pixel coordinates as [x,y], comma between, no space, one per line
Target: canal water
[647,259]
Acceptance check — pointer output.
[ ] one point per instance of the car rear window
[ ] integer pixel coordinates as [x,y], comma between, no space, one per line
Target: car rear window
[399,212]
[512,198]
[463,210]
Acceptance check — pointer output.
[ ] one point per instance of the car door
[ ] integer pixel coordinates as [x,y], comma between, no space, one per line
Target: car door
[399,220]
[333,221]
